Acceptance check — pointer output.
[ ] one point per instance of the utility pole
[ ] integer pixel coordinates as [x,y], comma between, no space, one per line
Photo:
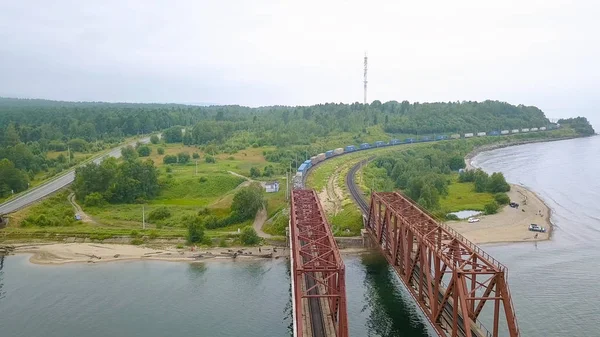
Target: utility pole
[143,217]
[287,185]
[365,80]
[196,166]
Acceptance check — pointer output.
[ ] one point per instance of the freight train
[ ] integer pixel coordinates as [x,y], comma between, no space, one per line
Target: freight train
[305,166]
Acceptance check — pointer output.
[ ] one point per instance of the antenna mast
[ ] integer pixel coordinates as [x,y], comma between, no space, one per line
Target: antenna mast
[365,81]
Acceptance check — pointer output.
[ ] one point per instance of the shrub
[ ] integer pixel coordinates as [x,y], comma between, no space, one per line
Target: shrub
[502,198]
[203,211]
[195,155]
[153,235]
[94,199]
[203,179]
[210,159]
[452,217]
[134,233]
[491,208]
[170,159]
[144,151]
[179,246]
[183,157]
[159,213]
[254,172]
[137,242]
[154,139]
[195,229]
[161,150]
[249,236]
[169,169]
[223,243]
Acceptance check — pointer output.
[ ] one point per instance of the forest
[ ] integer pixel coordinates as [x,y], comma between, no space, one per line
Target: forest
[32,129]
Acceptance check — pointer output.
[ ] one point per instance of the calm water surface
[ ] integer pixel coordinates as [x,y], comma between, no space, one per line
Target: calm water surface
[554,284]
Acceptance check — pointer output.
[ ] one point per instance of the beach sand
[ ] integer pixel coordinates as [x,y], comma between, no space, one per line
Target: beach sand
[509,224]
[61,253]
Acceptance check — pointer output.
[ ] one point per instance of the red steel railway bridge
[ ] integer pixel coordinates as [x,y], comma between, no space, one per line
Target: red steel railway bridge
[452,280]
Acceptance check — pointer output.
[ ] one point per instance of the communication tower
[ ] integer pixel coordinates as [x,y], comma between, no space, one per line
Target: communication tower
[365,81]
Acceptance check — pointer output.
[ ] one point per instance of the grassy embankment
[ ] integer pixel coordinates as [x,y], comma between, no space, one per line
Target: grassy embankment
[183,192]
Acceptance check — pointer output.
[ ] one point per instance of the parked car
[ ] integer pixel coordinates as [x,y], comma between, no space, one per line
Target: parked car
[536,228]
[77,217]
[514,205]
[472,220]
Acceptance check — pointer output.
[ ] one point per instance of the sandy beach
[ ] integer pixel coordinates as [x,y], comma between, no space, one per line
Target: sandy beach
[509,224]
[61,253]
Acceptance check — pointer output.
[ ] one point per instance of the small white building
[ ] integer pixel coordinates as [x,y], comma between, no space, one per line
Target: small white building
[272,187]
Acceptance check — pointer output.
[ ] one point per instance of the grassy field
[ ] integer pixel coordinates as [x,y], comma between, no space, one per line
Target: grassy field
[462,196]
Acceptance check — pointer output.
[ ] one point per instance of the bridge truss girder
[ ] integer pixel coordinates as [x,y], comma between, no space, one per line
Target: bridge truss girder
[441,268]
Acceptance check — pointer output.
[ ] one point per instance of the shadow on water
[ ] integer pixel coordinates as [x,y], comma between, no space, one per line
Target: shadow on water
[392,313]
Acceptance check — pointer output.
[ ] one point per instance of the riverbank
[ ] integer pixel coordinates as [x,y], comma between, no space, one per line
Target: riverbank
[63,253]
[509,224]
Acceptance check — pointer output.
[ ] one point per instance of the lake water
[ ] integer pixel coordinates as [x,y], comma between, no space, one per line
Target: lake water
[554,284]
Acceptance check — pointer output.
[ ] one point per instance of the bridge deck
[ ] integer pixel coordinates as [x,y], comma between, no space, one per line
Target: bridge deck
[318,272]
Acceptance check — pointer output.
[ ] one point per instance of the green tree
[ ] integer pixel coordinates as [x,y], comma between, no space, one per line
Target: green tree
[94,199]
[502,198]
[160,150]
[129,153]
[248,236]
[497,183]
[491,208]
[183,157]
[254,172]
[456,163]
[247,202]
[173,135]
[78,145]
[195,155]
[154,139]
[144,151]
[170,159]
[195,229]
[11,178]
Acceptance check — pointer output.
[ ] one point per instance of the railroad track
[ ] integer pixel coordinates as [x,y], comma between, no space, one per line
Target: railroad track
[354,190]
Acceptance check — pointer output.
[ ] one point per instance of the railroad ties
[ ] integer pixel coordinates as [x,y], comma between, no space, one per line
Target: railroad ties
[318,274]
[450,278]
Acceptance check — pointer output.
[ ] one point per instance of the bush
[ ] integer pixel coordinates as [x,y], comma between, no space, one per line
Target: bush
[254,172]
[491,208]
[195,155]
[144,151]
[161,150]
[249,236]
[183,157]
[502,198]
[170,159]
[203,179]
[94,199]
[159,213]
[154,139]
[195,229]
[210,159]
[247,202]
[223,243]
[452,217]
[180,246]
[137,242]
[168,169]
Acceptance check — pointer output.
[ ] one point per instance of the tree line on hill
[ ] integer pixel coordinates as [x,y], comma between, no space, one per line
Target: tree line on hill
[29,129]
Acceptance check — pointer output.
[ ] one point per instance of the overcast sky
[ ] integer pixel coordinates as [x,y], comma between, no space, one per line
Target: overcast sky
[543,53]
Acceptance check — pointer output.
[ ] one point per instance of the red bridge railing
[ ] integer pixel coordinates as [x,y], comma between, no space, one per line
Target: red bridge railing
[317,267]
[451,279]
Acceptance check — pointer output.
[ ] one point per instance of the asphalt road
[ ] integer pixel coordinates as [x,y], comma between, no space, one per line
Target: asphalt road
[49,187]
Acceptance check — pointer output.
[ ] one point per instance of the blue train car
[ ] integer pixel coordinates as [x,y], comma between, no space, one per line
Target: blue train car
[350,148]
[395,142]
[302,169]
[365,146]
[409,140]
[425,139]
[495,133]
[308,163]
[329,154]
[379,143]
[441,137]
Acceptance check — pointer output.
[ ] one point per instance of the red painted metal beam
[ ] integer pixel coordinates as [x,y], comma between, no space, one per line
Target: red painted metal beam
[450,278]
[316,257]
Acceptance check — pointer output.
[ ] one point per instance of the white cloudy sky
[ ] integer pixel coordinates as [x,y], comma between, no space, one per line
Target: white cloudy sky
[260,52]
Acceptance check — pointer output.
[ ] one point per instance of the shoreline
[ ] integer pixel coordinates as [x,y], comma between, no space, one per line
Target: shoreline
[61,253]
[508,225]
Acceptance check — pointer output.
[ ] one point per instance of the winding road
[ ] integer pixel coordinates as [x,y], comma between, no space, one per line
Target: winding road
[51,186]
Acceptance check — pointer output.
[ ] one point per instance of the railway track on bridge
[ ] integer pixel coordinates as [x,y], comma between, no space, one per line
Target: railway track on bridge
[416,254]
